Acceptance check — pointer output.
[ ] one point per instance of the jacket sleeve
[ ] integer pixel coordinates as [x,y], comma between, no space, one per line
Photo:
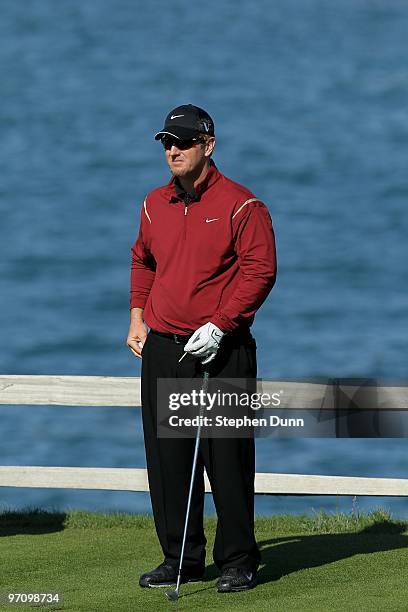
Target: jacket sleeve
[255,248]
[143,265]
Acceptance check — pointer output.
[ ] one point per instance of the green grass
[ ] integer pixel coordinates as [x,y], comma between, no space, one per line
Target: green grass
[320,563]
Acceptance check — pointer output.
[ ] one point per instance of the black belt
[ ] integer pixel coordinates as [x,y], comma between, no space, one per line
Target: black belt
[177,338]
[184,338]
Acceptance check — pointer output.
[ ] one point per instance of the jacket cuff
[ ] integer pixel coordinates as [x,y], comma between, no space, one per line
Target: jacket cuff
[223,322]
[137,302]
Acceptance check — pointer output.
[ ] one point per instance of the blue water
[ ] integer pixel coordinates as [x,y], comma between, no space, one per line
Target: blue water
[309,101]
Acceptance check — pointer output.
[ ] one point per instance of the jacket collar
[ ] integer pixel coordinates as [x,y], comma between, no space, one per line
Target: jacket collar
[177,193]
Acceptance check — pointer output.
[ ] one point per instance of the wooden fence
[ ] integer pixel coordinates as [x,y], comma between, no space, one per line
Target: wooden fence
[122,392]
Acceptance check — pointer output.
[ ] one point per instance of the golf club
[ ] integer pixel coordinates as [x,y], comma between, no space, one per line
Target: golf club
[173,595]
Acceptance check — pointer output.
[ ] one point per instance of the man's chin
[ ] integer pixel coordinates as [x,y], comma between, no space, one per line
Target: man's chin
[178,169]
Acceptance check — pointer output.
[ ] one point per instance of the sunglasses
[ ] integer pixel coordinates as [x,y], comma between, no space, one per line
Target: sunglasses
[183,145]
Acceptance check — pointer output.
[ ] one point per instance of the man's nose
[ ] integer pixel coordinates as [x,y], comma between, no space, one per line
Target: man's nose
[174,149]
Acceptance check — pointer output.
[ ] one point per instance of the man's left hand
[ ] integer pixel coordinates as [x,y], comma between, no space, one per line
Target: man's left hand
[204,343]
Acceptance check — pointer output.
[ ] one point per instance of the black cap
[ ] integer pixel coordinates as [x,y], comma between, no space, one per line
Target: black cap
[187,121]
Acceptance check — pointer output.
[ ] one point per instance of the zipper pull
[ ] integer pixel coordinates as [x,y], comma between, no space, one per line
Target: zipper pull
[185,210]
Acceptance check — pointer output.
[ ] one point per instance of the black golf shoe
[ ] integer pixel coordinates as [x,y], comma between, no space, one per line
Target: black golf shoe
[236,579]
[166,575]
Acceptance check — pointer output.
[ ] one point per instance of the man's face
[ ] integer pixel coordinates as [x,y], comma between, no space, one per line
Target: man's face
[188,159]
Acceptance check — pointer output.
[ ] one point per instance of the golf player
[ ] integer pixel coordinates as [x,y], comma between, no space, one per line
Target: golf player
[202,264]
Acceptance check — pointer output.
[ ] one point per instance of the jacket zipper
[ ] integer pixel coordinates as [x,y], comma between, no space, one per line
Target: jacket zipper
[185,222]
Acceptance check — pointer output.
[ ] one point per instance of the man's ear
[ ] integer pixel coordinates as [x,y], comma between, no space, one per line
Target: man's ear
[209,146]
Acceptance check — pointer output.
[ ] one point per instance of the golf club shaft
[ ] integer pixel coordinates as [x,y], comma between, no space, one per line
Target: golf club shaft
[197,444]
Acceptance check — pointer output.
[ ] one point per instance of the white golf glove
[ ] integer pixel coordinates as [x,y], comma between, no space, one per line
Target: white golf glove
[205,342]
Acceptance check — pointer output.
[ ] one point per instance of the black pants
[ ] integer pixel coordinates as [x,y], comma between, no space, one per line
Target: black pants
[229,462]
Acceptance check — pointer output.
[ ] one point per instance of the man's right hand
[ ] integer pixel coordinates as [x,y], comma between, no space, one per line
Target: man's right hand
[137,333]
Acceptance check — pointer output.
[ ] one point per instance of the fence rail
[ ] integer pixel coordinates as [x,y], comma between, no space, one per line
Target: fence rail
[122,391]
[134,479]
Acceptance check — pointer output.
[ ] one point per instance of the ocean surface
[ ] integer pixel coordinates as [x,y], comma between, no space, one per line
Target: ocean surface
[310,106]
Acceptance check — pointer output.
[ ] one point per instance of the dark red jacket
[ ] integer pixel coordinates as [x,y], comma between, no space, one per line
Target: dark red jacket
[213,260]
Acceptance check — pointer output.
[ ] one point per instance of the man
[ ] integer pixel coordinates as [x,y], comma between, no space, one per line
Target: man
[203,263]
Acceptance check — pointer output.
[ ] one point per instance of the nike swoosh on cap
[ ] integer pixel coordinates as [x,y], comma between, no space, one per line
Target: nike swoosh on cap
[175,116]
